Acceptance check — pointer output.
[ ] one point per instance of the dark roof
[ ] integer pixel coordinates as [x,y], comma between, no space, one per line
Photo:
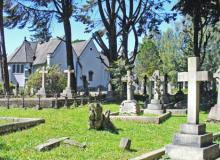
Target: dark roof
[24,54]
[43,49]
[80,46]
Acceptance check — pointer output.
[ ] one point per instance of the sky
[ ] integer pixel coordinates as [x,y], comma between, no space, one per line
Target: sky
[14,37]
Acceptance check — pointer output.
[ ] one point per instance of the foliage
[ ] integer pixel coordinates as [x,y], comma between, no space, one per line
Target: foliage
[55,81]
[73,123]
[11,87]
[148,59]
[120,20]
[118,71]
[39,14]
[203,14]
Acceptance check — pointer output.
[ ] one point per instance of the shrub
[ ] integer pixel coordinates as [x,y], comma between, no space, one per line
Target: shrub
[55,81]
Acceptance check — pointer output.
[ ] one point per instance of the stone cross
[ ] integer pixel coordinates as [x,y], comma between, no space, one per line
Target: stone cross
[193,76]
[129,79]
[69,72]
[217,76]
[43,71]
[156,78]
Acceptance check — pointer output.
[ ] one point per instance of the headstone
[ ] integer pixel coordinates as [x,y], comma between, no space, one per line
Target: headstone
[156,107]
[50,144]
[214,114]
[165,95]
[74,143]
[109,96]
[42,91]
[67,92]
[193,142]
[98,120]
[130,105]
[125,144]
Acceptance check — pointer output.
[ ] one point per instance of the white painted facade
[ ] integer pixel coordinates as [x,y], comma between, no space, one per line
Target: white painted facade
[88,63]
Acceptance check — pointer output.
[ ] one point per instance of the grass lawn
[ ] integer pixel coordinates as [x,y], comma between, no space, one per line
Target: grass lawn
[2,122]
[73,123]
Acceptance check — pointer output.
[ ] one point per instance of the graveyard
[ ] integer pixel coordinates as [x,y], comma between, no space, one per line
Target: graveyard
[109,80]
[99,144]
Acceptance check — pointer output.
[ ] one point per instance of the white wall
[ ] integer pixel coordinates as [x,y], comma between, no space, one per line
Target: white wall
[59,57]
[90,62]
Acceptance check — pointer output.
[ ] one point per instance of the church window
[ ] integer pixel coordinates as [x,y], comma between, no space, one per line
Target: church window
[90,75]
[13,68]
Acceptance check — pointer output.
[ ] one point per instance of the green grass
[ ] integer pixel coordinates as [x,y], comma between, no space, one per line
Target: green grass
[4,121]
[73,123]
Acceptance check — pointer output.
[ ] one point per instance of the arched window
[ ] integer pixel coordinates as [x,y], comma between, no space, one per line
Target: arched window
[91,75]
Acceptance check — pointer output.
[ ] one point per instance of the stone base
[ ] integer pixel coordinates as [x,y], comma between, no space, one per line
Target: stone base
[152,111]
[155,107]
[41,92]
[178,152]
[214,114]
[129,107]
[193,143]
[177,111]
[67,93]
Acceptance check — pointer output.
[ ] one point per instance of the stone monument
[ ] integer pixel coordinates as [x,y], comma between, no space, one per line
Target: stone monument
[156,107]
[67,92]
[130,105]
[193,142]
[109,96]
[41,92]
[214,114]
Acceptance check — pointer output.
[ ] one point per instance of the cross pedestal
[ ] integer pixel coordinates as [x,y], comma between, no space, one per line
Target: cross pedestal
[214,114]
[130,105]
[193,142]
[67,92]
[156,107]
[41,92]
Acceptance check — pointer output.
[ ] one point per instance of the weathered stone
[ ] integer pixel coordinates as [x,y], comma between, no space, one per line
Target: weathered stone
[156,154]
[156,107]
[18,124]
[125,143]
[193,141]
[50,144]
[74,143]
[214,114]
[98,120]
[129,107]
[67,92]
[177,111]
[183,152]
[41,92]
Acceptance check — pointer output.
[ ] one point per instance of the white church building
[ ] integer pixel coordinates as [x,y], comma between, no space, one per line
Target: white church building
[32,55]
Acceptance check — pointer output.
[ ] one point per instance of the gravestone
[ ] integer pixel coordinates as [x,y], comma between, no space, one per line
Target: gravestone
[125,144]
[214,114]
[109,96]
[130,105]
[165,95]
[41,92]
[193,142]
[156,107]
[67,92]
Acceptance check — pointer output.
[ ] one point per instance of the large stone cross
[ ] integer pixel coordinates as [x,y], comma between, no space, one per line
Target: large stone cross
[156,78]
[43,72]
[193,77]
[217,76]
[69,72]
[129,79]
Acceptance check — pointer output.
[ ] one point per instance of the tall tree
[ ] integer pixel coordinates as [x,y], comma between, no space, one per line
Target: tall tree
[4,65]
[36,11]
[122,20]
[203,13]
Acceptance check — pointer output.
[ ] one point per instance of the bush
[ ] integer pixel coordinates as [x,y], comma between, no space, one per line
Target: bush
[11,87]
[55,81]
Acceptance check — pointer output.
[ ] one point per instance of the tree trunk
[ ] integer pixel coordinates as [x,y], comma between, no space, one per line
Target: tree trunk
[69,51]
[3,54]
[196,20]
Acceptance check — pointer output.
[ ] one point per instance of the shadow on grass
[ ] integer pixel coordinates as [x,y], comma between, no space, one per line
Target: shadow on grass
[6,158]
